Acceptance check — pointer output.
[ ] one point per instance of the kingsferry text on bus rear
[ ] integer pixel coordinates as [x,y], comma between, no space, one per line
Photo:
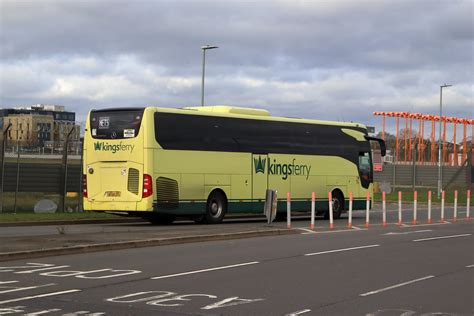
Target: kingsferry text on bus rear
[104,146]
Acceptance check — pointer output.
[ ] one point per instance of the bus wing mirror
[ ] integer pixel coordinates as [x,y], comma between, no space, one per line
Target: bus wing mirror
[383,149]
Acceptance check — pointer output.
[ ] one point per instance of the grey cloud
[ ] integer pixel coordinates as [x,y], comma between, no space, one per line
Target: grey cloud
[341,59]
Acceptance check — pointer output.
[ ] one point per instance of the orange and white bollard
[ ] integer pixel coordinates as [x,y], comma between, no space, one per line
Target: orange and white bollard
[349,220]
[429,208]
[384,210]
[455,215]
[288,210]
[367,216]
[399,208]
[415,201]
[313,209]
[331,216]
[442,206]
[468,201]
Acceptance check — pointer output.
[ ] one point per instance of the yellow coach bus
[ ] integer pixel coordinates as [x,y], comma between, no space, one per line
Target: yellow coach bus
[206,162]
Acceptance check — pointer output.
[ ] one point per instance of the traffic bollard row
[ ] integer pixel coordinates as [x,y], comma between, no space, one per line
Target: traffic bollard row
[384,209]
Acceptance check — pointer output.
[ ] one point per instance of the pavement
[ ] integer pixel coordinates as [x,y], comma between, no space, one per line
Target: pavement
[39,239]
[20,240]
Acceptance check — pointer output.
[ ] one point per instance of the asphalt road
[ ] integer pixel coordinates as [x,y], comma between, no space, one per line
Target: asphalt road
[409,270]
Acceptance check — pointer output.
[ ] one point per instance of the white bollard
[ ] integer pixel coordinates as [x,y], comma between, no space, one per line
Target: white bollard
[313,209]
[455,218]
[288,210]
[429,207]
[349,221]
[442,206]
[468,201]
[367,216]
[399,208]
[331,216]
[415,201]
[384,210]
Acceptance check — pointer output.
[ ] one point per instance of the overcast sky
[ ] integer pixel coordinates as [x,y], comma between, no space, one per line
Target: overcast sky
[335,60]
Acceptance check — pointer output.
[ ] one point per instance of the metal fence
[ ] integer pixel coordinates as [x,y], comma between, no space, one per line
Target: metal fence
[38,181]
[423,176]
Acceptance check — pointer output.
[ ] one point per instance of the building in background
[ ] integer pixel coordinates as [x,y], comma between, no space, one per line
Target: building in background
[39,125]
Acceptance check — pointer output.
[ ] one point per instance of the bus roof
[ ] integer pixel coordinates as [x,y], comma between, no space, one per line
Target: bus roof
[249,113]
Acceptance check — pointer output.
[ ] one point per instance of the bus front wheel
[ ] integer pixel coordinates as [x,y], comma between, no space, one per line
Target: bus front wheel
[216,207]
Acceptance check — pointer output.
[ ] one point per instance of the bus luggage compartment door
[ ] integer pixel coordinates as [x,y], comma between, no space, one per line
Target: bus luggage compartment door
[115,182]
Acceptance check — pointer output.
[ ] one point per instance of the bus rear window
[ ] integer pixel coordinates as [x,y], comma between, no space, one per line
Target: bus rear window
[116,124]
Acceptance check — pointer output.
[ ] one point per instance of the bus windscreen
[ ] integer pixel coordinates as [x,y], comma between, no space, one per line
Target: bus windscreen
[117,124]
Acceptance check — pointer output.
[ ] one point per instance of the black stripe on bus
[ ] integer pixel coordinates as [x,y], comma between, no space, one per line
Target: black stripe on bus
[227,134]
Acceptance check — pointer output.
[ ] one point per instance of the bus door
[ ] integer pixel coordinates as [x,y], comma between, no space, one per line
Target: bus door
[365,171]
[259,177]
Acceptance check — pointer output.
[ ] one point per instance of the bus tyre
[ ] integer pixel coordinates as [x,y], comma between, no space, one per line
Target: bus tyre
[280,217]
[337,205]
[160,219]
[216,207]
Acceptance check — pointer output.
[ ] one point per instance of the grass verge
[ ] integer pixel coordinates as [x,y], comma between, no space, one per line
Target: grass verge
[407,196]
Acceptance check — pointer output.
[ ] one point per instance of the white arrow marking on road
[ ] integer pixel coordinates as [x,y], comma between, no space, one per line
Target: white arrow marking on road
[406,233]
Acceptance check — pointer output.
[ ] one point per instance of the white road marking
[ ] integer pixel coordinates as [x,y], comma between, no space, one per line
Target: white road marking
[8,282]
[406,233]
[357,228]
[442,237]
[26,288]
[205,270]
[304,311]
[47,311]
[471,266]
[397,286]
[38,296]
[340,250]
[333,231]
[306,230]
[42,269]
[421,225]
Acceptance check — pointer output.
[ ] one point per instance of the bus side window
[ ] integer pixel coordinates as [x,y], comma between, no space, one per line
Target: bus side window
[365,167]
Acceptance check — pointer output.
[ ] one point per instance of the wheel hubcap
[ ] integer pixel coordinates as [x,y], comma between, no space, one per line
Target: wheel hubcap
[216,208]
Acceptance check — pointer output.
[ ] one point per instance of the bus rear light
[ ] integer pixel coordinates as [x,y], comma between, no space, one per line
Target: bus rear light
[147,186]
[84,185]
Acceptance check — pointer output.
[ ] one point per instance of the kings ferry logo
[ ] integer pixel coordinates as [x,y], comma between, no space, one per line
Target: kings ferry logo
[259,164]
[283,169]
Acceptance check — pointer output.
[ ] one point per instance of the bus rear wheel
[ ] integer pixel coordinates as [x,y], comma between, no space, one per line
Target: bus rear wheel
[337,205]
[216,207]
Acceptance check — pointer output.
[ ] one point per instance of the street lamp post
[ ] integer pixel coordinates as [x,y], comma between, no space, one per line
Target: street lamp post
[204,48]
[440,172]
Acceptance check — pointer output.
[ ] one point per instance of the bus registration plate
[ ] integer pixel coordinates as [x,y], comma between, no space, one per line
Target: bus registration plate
[112,193]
